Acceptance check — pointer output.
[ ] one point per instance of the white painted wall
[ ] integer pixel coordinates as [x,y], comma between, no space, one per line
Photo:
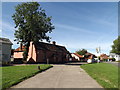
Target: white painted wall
[76,57]
[18,55]
[116,56]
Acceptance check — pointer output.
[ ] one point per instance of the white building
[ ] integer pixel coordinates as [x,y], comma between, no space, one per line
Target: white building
[5,50]
[75,56]
[116,56]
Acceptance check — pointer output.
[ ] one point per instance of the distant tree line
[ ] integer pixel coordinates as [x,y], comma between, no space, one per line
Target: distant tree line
[81,51]
[116,46]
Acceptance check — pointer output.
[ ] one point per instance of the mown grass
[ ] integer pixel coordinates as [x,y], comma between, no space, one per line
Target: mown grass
[12,75]
[105,74]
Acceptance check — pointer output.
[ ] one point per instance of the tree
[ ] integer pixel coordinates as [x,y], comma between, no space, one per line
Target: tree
[116,46]
[82,51]
[32,24]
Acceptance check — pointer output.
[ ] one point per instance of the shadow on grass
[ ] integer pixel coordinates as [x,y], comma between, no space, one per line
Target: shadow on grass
[26,77]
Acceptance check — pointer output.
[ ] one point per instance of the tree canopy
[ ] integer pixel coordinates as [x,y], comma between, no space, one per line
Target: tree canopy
[116,46]
[32,24]
[82,51]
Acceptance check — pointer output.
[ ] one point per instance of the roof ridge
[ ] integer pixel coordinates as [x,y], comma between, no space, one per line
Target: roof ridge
[49,44]
[5,40]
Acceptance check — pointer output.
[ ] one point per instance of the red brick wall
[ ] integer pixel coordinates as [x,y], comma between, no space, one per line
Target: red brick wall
[40,56]
[53,57]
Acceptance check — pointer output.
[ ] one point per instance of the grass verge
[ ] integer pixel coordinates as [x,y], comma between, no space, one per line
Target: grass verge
[12,75]
[105,74]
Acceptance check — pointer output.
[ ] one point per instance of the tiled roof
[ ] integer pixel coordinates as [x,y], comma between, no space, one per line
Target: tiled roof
[46,46]
[90,55]
[78,55]
[5,40]
[50,47]
[19,49]
[103,55]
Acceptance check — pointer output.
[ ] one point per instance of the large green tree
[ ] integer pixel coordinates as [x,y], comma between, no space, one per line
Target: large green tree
[82,51]
[32,24]
[116,46]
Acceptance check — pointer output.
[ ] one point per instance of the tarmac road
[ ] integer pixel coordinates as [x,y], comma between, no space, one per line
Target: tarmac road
[60,76]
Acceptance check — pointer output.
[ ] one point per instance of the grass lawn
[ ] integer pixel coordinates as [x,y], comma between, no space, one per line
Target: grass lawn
[12,75]
[105,74]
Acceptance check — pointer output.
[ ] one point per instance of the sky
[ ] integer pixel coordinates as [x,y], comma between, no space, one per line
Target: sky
[78,25]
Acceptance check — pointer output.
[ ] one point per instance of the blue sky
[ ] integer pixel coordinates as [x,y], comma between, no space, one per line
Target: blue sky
[78,25]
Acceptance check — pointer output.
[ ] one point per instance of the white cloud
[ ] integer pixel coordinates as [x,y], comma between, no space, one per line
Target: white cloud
[73,46]
[104,46]
[73,28]
[105,22]
[90,43]
[7,26]
[0,33]
[104,19]
[8,32]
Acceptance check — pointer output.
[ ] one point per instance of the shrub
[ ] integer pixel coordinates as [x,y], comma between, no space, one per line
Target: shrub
[105,59]
[113,59]
[5,63]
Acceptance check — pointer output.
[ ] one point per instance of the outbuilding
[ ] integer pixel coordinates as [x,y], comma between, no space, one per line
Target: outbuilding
[5,50]
[114,55]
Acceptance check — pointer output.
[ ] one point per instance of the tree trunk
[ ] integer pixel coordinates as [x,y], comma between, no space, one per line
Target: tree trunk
[25,53]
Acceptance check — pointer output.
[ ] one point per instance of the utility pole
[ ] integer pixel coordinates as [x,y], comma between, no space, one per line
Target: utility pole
[98,50]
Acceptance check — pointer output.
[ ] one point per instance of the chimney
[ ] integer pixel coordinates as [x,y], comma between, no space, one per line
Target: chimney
[21,46]
[54,43]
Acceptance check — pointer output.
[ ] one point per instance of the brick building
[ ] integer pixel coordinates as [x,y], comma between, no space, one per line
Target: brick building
[41,52]
[103,57]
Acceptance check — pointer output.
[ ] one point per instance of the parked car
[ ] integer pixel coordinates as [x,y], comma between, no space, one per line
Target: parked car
[89,61]
[95,60]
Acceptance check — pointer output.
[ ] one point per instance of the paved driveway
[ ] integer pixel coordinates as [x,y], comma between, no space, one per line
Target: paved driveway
[60,76]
